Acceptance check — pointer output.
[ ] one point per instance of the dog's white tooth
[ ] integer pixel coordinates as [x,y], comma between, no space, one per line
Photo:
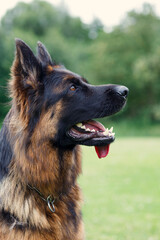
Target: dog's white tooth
[109,134]
[113,134]
[111,129]
[88,129]
[105,133]
[93,130]
[83,127]
[79,125]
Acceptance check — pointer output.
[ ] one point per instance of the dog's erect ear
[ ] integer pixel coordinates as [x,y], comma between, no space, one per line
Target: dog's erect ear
[43,55]
[26,72]
[26,66]
[26,82]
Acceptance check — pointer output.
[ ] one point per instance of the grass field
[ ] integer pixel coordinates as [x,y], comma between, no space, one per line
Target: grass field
[122,191]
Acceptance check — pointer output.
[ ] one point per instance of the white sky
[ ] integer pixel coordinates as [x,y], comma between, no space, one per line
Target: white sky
[110,12]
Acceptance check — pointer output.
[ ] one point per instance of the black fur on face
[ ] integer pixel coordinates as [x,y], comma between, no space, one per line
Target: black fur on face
[81,102]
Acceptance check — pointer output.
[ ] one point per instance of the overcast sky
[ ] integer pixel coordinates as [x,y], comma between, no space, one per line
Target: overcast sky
[110,12]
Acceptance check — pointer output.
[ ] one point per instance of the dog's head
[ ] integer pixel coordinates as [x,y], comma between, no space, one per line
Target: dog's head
[61,104]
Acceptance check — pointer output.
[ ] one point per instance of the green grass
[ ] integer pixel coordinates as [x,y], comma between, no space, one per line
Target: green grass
[122,191]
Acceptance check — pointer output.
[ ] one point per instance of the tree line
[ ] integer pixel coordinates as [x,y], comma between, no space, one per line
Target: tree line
[128,55]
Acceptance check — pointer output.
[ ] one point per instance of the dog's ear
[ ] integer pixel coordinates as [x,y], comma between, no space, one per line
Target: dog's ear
[26,82]
[25,69]
[43,55]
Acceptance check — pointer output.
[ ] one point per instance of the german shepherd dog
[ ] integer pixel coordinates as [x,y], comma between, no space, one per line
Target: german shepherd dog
[52,114]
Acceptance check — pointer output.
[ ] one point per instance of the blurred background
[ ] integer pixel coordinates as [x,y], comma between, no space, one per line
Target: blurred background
[106,42]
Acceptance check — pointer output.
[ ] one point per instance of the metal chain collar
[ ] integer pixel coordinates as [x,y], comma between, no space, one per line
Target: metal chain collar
[50,200]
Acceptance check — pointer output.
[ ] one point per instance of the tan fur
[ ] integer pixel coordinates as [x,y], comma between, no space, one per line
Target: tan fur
[34,211]
[49,69]
[43,173]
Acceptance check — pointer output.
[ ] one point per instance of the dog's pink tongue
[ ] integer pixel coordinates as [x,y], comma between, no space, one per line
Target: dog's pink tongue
[102,151]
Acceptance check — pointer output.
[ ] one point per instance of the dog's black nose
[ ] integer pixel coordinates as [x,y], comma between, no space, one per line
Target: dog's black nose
[122,90]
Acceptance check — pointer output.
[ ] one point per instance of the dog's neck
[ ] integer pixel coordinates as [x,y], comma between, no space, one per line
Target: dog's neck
[50,170]
[35,160]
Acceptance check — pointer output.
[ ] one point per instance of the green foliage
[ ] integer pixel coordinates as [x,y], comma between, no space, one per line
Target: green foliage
[128,55]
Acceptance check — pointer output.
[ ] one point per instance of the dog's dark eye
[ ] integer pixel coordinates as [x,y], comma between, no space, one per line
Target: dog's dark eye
[73,88]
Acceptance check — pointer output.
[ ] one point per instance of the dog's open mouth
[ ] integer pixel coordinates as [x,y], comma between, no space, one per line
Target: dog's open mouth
[93,133]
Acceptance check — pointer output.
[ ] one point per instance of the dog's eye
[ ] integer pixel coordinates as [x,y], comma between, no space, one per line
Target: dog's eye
[73,88]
